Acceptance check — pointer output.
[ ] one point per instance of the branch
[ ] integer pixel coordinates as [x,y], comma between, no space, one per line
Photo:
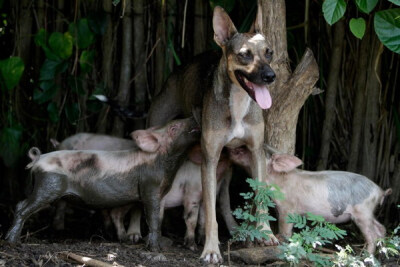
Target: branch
[86,261]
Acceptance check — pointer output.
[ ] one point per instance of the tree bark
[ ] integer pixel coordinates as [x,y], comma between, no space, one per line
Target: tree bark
[331,92]
[140,81]
[290,90]
[123,96]
[160,50]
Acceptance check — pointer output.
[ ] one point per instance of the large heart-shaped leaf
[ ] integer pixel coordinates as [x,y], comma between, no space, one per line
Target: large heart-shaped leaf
[86,60]
[72,112]
[52,110]
[396,2]
[61,44]
[11,70]
[387,28]
[82,33]
[366,6]
[357,27]
[333,10]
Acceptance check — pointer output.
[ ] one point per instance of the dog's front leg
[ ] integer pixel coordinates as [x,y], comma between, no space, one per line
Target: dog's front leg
[259,173]
[211,151]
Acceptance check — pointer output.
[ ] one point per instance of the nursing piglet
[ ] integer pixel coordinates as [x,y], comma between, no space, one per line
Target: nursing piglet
[91,141]
[107,179]
[186,190]
[338,196]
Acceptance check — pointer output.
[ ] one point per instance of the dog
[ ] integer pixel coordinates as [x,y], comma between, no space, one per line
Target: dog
[231,92]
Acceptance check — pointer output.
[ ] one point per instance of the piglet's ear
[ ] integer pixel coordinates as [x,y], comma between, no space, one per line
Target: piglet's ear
[145,140]
[223,26]
[284,162]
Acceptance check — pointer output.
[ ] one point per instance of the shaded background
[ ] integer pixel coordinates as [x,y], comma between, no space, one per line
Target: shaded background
[126,50]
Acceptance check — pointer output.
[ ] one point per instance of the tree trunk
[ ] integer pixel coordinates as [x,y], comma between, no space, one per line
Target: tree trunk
[200,27]
[123,96]
[290,90]
[106,64]
[160,49]
[140,81]
[331,92]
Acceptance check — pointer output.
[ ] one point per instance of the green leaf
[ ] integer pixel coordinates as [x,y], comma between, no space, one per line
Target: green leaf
[396,2]
[84,37]
[46,92]
[228,5]
[357,27]
[41,38]
[52,109]
[366,6]
[387,27]
[333,10]
[86,60]
[72,112]
[10,144]
[61,44]
[48,70]
[11,70]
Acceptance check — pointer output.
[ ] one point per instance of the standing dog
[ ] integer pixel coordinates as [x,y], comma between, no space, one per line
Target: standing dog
[231,94]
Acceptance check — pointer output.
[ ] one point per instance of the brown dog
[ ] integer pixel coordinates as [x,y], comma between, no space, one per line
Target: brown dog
[231,94]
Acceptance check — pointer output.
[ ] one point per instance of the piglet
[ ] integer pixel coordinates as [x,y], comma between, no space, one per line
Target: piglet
[338,196]
[107,179]
[89,141]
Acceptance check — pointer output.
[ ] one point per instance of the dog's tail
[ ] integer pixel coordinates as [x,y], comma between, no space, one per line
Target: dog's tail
[34,154]
[122,112]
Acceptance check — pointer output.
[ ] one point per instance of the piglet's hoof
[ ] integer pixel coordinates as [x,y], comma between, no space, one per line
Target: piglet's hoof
[134,238]
[190,244]
[153,256]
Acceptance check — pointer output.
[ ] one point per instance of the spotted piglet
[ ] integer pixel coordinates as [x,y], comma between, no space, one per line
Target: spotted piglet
[107,179]
[338,196]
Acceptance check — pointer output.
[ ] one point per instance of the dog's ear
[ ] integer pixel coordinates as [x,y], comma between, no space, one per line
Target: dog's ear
[257,25]
[223,26]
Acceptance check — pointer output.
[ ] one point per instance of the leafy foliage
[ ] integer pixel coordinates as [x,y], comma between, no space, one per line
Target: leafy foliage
[11,70]
[259,200]
[303,244]
[386,22]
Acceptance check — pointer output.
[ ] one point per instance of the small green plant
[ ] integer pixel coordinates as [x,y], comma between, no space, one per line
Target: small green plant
[304,244]
[253,214]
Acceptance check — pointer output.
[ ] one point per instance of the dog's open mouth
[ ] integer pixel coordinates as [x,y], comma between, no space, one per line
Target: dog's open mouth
[259,93]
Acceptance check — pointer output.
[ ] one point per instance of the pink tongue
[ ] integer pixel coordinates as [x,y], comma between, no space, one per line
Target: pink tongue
[263,96]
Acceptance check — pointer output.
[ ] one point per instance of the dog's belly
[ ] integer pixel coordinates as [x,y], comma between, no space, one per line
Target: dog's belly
[235,143]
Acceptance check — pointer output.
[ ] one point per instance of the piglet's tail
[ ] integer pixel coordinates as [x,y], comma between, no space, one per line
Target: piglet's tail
[34,154]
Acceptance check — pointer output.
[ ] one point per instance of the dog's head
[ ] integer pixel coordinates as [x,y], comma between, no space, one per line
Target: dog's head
[247,55]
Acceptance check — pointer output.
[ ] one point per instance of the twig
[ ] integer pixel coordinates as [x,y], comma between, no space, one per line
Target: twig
[147,59]
[32,234]
[184,24]
[85,260]
[327,250]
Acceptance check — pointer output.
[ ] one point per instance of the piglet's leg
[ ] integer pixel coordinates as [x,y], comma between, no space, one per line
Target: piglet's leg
[48,187]
[225,202]
[191,213]
[117,216]
[364,221]
[285,229]
[58,220]
[151,202]
[134,232]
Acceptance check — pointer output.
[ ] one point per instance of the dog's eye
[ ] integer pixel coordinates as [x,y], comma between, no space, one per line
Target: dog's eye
[269,53]
[247,56]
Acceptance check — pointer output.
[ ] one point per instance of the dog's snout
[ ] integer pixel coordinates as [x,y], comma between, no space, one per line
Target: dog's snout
[268,76]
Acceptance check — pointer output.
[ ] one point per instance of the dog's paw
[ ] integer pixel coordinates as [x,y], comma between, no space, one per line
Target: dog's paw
[211,257]
[272,241]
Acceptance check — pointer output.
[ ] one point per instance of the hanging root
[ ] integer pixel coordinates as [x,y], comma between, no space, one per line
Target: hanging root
[385,194]
[34,154]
